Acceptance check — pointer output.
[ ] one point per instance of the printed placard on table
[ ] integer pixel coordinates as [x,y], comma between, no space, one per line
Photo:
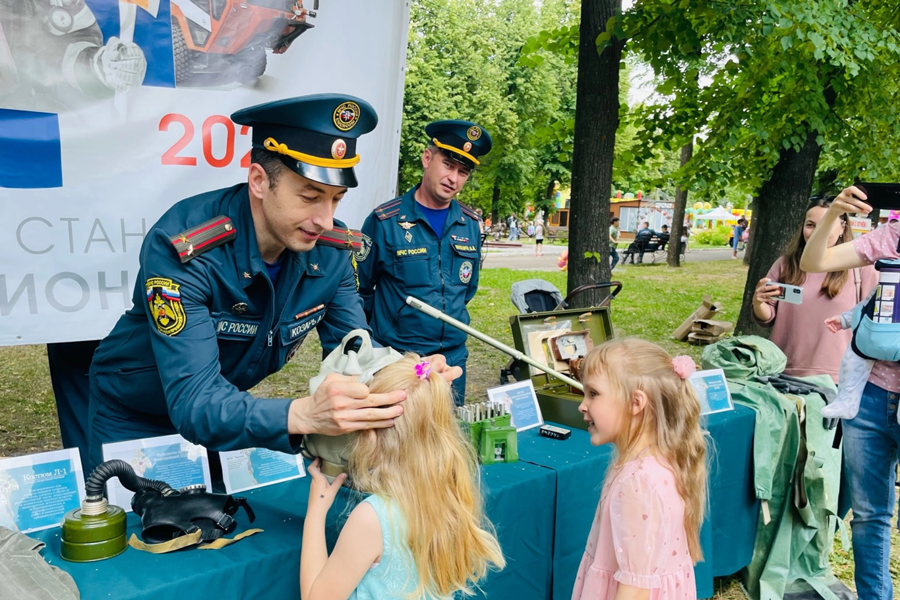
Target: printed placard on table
[257,467]
[712,391]
[37,490]
[168,458]
[521,401]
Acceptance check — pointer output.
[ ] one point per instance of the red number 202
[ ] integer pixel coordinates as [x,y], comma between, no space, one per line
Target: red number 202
[172,157]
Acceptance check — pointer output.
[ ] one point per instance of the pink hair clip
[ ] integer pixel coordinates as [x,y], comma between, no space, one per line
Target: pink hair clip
[423,369]
[684,366]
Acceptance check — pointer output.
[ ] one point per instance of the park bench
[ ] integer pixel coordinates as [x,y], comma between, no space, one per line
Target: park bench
[642,244]
[654,245]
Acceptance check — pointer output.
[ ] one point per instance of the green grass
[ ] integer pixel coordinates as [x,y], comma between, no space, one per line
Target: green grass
[654,301]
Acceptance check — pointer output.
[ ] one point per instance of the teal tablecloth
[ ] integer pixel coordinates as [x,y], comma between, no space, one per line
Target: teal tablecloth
[541,506]
[520,500]
[727,535]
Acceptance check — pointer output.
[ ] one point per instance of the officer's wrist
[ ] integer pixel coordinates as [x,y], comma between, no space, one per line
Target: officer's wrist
[298,423]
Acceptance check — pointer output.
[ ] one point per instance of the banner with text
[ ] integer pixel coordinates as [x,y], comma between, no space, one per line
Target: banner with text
[113,110]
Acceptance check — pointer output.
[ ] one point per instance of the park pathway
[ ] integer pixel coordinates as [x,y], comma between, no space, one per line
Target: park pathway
[522,259]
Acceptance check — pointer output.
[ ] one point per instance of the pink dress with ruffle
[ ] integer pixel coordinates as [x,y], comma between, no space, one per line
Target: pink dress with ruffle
[638,538]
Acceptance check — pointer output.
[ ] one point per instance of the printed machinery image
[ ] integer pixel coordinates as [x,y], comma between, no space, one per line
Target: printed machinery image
[216,42]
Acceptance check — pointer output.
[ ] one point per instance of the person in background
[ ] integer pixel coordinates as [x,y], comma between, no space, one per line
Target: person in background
[686,233]
[645,229]
[745,237]
[427,244]
[639,245]
[737,232]
[872,438]
[613,242]
[539,238]
[645,538]
[663,235]
[513,224]
[798,328]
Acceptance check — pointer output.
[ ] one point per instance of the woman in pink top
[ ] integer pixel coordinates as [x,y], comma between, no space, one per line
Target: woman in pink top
[872,438]
[644,540]
[799,329]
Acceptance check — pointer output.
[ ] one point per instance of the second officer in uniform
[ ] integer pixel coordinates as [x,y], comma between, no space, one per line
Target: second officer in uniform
[426,244]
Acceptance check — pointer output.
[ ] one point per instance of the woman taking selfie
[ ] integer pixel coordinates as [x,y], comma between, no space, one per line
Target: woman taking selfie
[799,329]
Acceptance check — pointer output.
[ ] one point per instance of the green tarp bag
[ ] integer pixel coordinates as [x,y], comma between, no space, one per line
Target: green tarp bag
[796,475]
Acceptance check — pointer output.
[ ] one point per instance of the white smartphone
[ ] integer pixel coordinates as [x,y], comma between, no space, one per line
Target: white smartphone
[789,293]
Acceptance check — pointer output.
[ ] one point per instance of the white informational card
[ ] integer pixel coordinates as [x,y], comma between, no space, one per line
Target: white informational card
[169,458]
[522,402]
[712,391]
[37,490]
[257,467]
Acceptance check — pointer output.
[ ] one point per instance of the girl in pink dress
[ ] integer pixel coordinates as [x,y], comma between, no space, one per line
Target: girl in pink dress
[644,540]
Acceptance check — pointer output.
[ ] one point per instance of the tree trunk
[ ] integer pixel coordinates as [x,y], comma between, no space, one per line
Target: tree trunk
[495,203]
[596,121]
[674,256]
[779,212]
[748,251]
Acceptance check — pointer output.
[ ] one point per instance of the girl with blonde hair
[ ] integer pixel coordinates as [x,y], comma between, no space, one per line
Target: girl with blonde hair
[645,537]
[422,532]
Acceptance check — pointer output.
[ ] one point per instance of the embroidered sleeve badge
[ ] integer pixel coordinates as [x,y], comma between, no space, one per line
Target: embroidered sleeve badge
[363,252]
[465,272]
[166,309]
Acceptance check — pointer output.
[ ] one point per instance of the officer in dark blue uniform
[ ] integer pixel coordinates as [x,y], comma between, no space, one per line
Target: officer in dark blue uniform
[230,284]
[426,244]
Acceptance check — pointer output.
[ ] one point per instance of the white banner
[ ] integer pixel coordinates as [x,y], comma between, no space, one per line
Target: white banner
[110,113]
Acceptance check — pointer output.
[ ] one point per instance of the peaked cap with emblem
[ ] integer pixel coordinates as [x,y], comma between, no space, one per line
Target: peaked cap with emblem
[314,136]
[463,141]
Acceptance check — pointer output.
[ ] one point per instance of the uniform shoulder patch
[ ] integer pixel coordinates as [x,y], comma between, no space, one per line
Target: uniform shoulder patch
[166,310]
[193,242]
[342,238]
[467,210]
[388,209]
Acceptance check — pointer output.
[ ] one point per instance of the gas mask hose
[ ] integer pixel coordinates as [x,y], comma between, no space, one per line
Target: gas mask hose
[94,502]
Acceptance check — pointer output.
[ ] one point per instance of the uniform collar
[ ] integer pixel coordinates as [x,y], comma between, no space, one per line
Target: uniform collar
[410,210]
[248,259]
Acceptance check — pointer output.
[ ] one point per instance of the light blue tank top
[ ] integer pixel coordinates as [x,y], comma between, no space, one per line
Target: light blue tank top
[395,576]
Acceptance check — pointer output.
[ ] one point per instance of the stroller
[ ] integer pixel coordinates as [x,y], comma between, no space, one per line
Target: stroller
[539,296]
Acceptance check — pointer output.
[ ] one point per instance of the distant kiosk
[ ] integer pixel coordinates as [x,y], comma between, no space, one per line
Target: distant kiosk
[558,225]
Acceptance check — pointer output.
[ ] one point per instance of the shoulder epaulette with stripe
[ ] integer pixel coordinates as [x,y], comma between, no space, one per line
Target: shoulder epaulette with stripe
[467,210]
[341,238]
[388,209]
[193,242]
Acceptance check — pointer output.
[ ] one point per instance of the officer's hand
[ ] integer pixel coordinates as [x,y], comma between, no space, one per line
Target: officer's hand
[341,405]
[321,493]
[439,365]
[121,65]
